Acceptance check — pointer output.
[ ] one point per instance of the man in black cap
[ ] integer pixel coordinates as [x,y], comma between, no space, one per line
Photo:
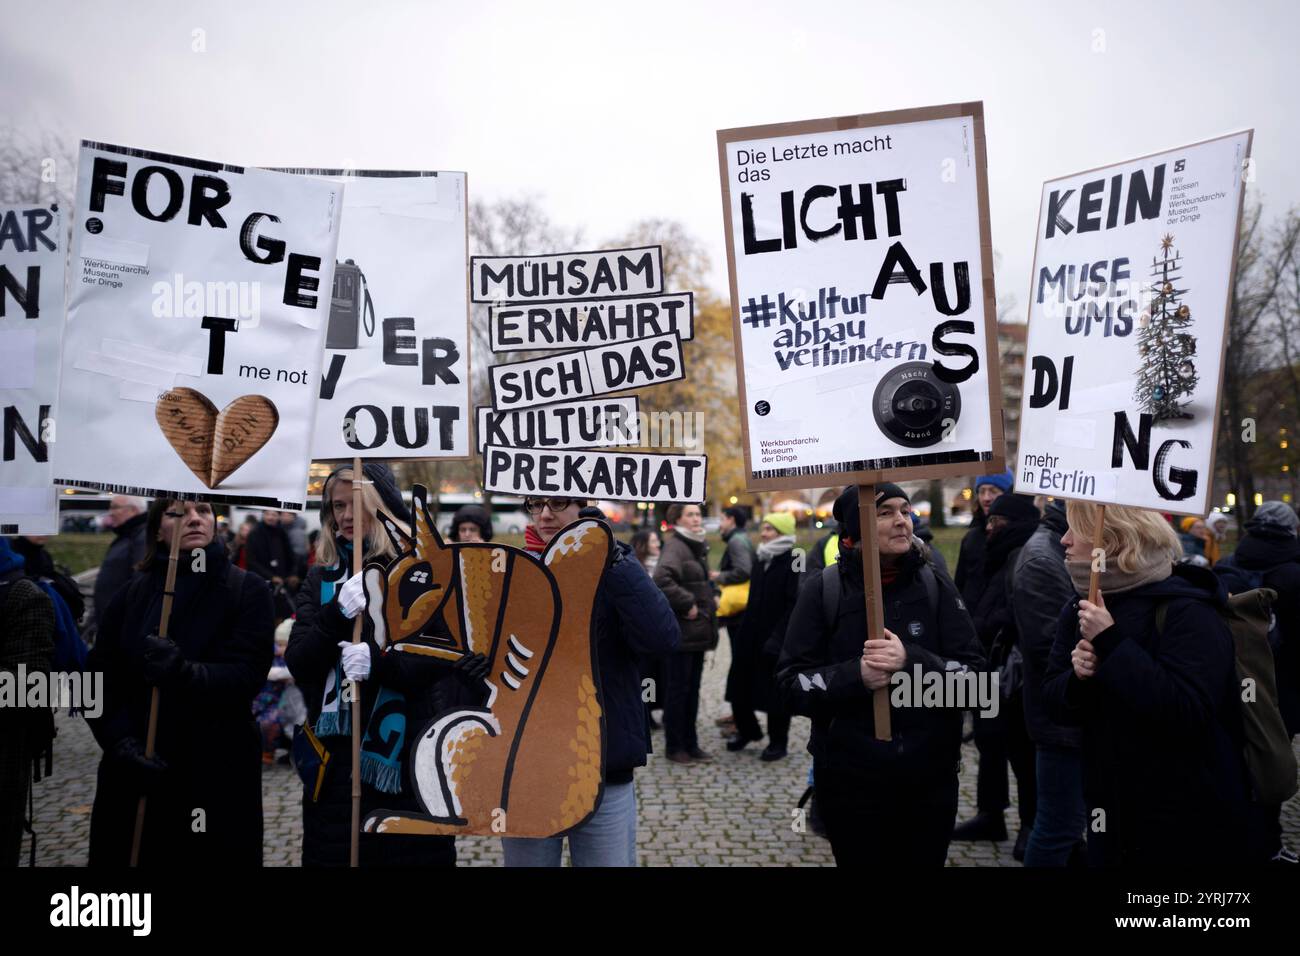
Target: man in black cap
[882,801]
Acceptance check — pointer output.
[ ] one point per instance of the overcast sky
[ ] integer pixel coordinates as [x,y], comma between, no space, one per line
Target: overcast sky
[606,111]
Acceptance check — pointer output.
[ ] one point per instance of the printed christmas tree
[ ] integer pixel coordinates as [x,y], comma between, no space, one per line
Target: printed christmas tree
[1167,375]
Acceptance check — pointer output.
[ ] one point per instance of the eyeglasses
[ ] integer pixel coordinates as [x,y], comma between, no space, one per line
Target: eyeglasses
[534,506]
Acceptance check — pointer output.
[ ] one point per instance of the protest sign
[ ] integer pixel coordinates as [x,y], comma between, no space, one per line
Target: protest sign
[196,318]
[32,256]
[624,476]
[862,288]
[1129,294]
[573,323]
[596,423]
[567,275]
[594,371]
[396,365]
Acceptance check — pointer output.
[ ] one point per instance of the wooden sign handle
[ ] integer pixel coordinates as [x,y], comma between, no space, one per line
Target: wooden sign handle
[875,609]
[358,553]
[1094,581]
[151,736]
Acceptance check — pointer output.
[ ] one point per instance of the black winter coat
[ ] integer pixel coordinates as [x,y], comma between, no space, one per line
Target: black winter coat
[126,551]
[632,619]
[1276,556]
[773,591]
[1162,737]
[683,575]
[270,553]
[425,682]
[1041,590]
[970,560]
[206,731]
[819,675]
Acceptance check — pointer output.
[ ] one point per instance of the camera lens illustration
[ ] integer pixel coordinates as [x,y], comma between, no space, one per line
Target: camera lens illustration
[912,404]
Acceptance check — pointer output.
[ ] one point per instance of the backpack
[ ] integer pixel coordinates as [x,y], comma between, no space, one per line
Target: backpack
[70,650]
[831,591]
[1239,580]
[1269,757]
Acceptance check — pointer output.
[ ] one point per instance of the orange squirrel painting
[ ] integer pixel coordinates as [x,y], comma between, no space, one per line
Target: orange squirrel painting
[528,763]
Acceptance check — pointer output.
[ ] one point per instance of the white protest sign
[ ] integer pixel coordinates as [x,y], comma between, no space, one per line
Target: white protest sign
[531,326]
[1127,321]
[596,423]
[567,275]
[594,371]
[624,476]
[396,366]
[32,256]
[861,280]
[197,309]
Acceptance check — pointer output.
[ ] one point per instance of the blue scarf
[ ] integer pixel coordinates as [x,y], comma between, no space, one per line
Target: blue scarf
[385,736]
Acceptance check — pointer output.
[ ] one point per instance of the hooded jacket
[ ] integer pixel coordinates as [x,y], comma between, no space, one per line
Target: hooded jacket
[818,671]
[1161,720]
[1041,589]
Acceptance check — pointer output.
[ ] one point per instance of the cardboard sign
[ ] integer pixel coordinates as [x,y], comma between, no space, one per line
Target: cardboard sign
[1128,309]
[598,423]
[567,275]
[569,324]
[861,277]
[396,367]
[527,761]
[621,476]
[197,311]
[594,371]
[32,256]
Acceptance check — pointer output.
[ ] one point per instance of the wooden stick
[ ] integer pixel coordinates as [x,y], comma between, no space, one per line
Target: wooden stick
[169,590]
[358,549]
[1094,581]
[875,610]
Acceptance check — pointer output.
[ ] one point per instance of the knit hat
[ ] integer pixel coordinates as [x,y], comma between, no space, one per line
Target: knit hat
[782,521]
[1001,482]
[1187,522]
[1274,516]
[846,507]
[1014,508]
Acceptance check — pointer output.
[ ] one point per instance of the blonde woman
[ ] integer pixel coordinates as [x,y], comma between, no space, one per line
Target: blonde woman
[399,692]
[1164,779]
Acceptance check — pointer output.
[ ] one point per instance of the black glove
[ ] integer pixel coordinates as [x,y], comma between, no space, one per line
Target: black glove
[163,663]
[472,668]
[129,751]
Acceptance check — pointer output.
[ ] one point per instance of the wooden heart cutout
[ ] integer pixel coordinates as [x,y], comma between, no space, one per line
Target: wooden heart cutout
[214,444]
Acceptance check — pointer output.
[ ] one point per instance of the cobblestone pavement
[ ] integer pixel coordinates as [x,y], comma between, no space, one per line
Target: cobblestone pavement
[736,811]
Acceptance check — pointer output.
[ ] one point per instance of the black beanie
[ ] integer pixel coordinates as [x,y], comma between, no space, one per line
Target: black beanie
[1014,507]
[845,509]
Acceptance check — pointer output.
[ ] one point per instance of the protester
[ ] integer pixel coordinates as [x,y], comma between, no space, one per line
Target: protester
[1159,706]
[239,550]
[891,802]
[1041,588]
[683,575]
[1192,535]
[213,660]
[1268,556]
[970,576]
[630,619]
[471,523]
[127,517]
[26,640]
[1012,520]
[733,573]
[54,579]
[412,688]
[272,558]
[773,590]
[1216,530]
[921,528]
[646,545]
[274,721]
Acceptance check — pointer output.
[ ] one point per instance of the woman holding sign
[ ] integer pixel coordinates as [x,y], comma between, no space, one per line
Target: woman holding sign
[400,691]
[892,801]
[204,778]
[1149,672]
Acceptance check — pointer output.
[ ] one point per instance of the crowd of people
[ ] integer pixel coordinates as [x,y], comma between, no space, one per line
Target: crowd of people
[1121,718]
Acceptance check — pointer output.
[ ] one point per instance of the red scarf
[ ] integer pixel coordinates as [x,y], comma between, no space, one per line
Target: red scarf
[533,542]
[888,575]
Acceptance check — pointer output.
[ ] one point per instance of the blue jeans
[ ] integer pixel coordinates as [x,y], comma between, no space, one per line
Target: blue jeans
[607,839]
[1062,815]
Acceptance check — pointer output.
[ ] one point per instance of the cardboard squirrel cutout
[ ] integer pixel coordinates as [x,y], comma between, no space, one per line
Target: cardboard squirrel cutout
[528,762]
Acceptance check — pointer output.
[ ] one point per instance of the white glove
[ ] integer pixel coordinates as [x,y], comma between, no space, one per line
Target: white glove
[356,660]
[352,596]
